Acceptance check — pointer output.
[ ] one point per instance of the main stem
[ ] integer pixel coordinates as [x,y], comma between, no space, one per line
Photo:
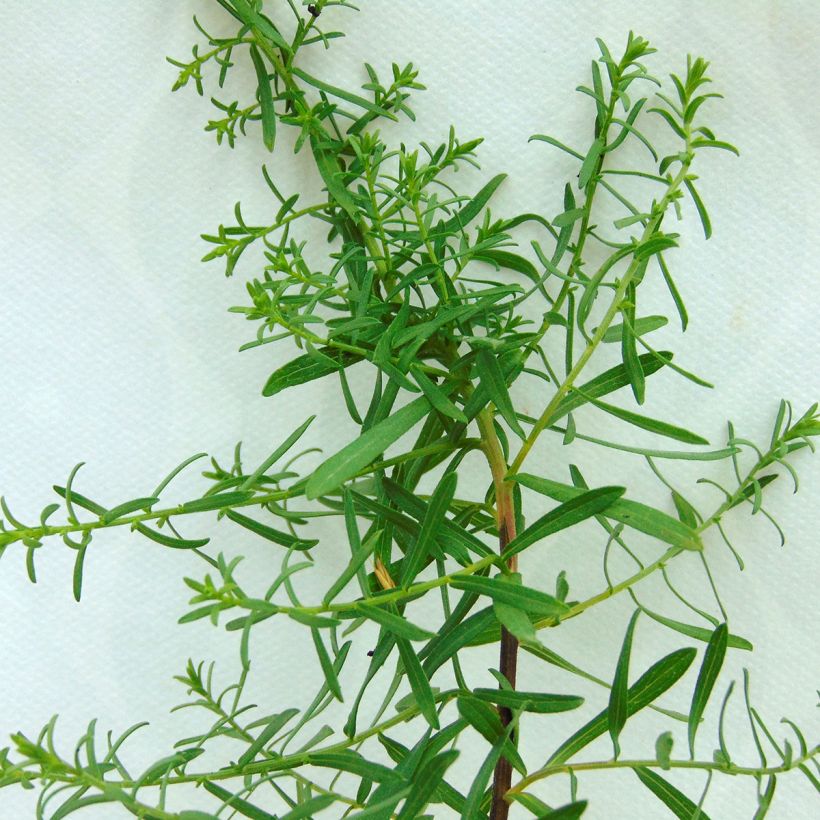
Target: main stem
[508,654]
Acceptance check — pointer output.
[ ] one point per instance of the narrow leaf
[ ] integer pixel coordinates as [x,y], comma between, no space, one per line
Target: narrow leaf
[607,382]
[274,725]
[170,541]
[649,687]
[399,626]
[265,99]
[572,511]
[418,682]
[360,453]
[538,702]
[489,372]
[699,633]
[525,598]
[238,804]
[677,802]
[709,671]
[617,712]
[284,539]
[632,513]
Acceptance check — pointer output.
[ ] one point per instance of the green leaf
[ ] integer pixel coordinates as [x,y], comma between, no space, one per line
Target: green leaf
[571,811]
[307,368]
[399,626]
[436,396]
[348,761]
[327,164]
[709,671]
[485,720]
[529,600]
[216,502]
[568,218]
[274,725]
[646,324]
[360,453]
[418,682]
[567,514]
[631,513]
[237,803]
[309,807]
[680,805]
[590,163]
[701,208]
[425,782]
[617,712]
[699,633]
[283,448]
[649,687]
[159,769]
[607,382]
[557,144]
[265,99]
[347,96]
[419,553]
[538,702]
[516,622]
[661,428]
[475,797]
[456,223]
[492,379]
[78,571]
[329,673]
[128,507]
[284,539]
[170,541]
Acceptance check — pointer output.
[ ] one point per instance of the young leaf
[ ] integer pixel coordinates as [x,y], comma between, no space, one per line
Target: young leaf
[308,368]
[677,802]
[215,502]
[709,671]
[617,712]
[308,808]
[572,811]
[360,453]
[485,720]
[128,507]
[646,324]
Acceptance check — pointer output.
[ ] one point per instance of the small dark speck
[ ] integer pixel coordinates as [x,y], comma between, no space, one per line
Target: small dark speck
[313,10]
[370,653]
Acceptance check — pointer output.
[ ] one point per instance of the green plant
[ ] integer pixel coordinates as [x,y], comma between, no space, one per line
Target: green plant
[405,289]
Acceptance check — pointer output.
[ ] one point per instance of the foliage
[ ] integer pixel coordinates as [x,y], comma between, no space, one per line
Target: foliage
[405,289]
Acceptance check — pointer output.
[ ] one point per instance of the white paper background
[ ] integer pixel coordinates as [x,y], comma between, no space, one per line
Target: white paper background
[118,351]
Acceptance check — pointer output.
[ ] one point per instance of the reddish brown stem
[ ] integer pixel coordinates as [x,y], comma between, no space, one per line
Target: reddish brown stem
[508,657]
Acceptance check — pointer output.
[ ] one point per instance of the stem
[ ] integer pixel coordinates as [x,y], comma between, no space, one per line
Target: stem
[707,765]
[508,653]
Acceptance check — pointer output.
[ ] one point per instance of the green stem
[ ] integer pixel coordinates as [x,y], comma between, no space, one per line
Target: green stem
[705,765]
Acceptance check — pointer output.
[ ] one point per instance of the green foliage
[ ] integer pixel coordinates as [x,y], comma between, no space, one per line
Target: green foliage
[403,295]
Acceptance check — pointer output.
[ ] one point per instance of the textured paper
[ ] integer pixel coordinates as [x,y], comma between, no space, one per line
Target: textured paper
[118,350]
